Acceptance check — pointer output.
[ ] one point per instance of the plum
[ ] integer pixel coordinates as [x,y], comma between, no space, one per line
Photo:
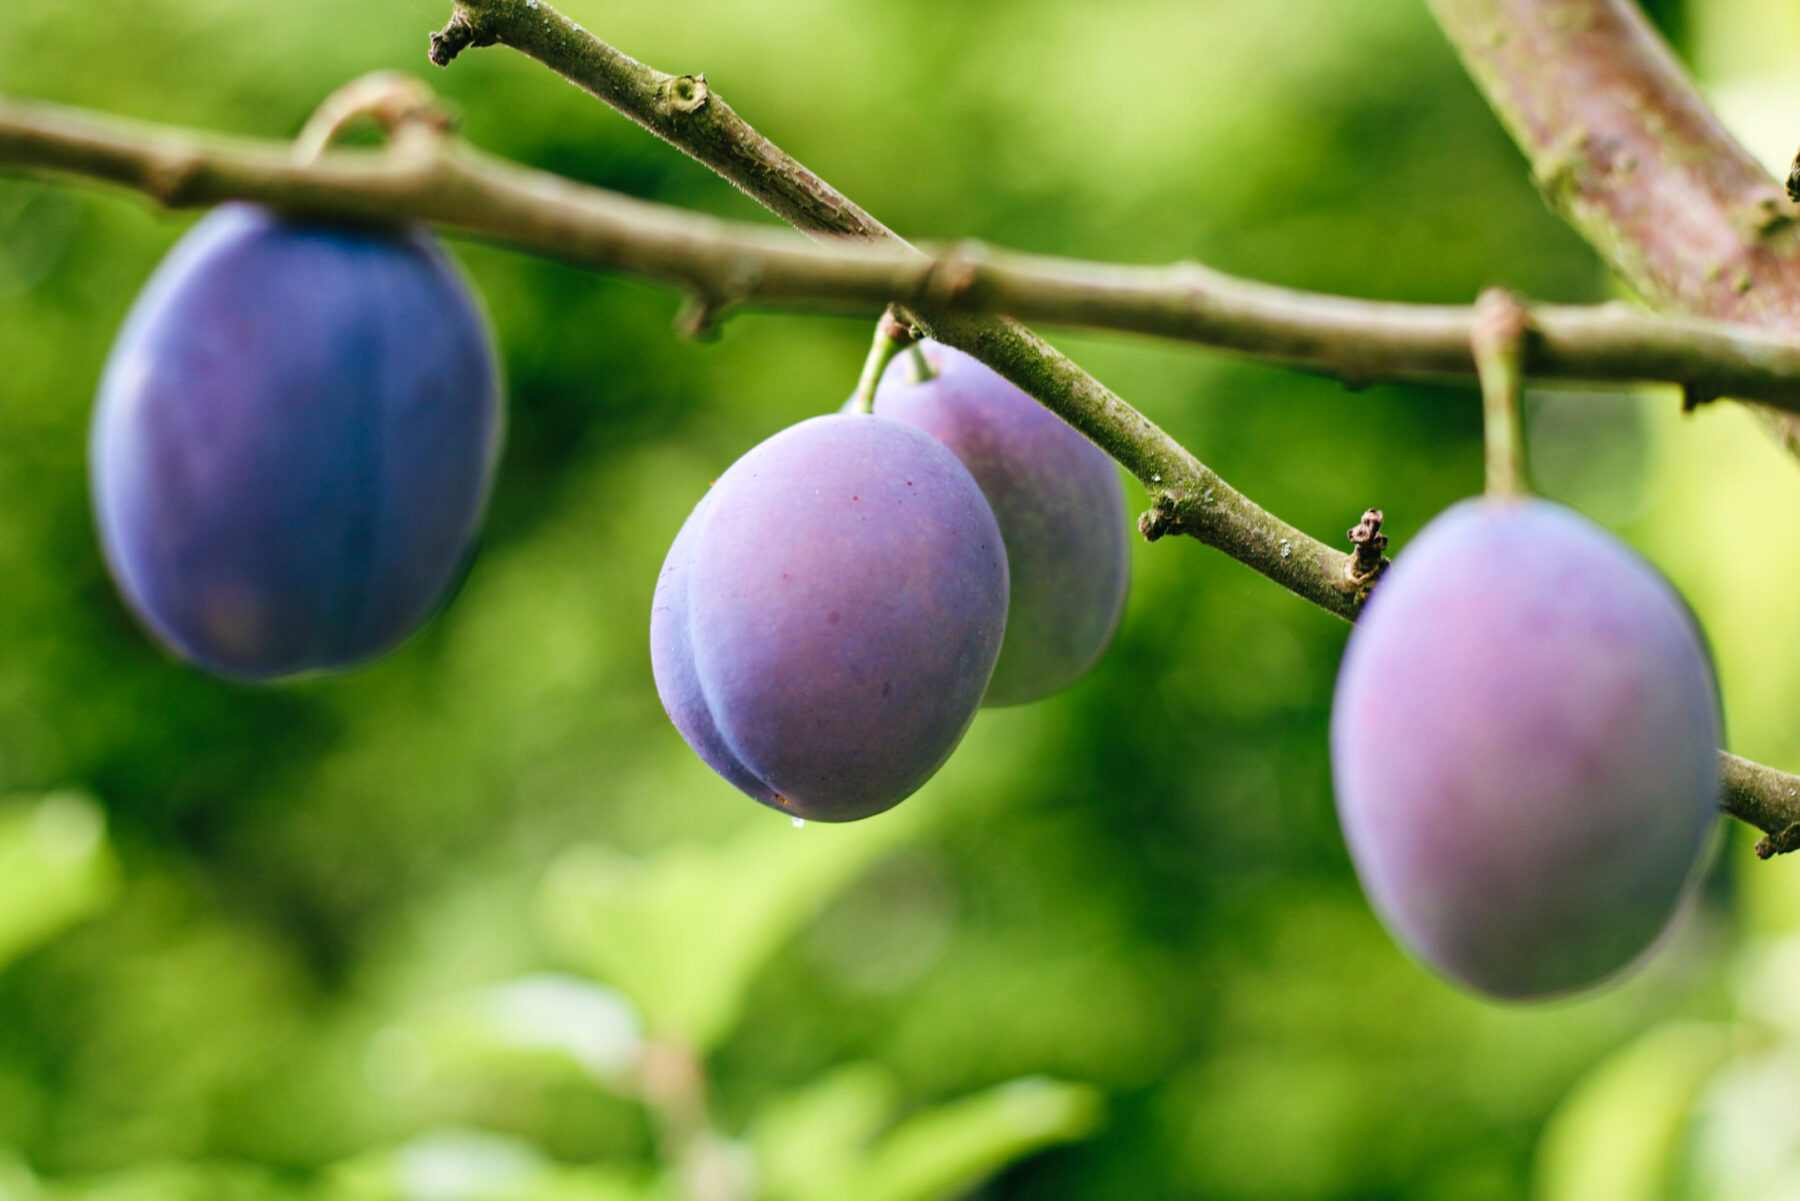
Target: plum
[828,617]
[294,442]
[1524,746]
[1060,508]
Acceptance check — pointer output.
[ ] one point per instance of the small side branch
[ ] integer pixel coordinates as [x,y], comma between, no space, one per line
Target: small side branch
[682,110]
[1764,798]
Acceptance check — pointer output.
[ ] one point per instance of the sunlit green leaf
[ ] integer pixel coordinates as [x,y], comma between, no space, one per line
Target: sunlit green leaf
[1616,1136]
[684,932]
[818,1137]
[470,1165]
[55,868]
[947,1150]
[561,1020]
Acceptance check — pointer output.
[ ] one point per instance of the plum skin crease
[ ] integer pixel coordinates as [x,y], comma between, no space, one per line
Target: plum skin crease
[294,442]
[1059,505]
[826,622]
[1524,746]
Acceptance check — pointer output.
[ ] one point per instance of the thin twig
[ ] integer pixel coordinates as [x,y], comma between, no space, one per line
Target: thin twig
[393,101]
[1765,798]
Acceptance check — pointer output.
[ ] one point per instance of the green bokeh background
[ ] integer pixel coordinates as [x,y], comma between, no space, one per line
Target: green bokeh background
[267,977]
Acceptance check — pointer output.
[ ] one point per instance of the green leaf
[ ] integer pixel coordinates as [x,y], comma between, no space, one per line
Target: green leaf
[172,1181]
[559,1021]
[55,869]
[809,1142]
[813,1146]
[685,932]
[952,1148]
[16,1181]
[472,1165]
[1615,1137]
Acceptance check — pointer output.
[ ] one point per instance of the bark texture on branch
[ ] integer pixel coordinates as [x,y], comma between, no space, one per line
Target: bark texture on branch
[1623,146]
[730,263]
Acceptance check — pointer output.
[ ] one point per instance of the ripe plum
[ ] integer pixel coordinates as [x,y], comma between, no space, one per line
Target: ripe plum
[828,617]
[1060,508]
[1524,744]
[294,442]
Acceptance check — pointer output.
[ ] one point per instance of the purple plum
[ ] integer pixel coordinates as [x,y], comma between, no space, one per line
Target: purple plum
[829,616]
[1060,508]
[294,442]
[1524,742]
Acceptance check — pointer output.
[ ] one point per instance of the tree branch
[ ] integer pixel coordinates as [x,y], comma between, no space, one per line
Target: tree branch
[680,109]
[431,177]
[1623,146]
[1765,798]
[732,263]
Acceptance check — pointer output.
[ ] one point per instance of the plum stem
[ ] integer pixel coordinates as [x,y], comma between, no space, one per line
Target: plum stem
[892,335]
[394,102]
[918,367]
[1497,340]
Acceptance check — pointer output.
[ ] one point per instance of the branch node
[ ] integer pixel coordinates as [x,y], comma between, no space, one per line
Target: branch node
[685,94]
[1694,396]
[171,179]
[1768,216]
[1162,518]
[1779,843]
[698,317]
[954,280]
[397,103]
[458,34]
[1365,562]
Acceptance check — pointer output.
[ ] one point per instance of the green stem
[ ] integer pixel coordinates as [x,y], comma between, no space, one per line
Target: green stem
[891,337]
[1498,343]
[919,369]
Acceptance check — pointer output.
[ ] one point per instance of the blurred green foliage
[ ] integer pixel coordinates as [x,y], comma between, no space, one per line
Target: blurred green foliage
[404,934]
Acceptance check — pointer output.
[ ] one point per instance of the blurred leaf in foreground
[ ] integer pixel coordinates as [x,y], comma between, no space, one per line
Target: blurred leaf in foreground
[684,933]
[557,1020]
[816,1146]
[470,1165]
[55,869]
